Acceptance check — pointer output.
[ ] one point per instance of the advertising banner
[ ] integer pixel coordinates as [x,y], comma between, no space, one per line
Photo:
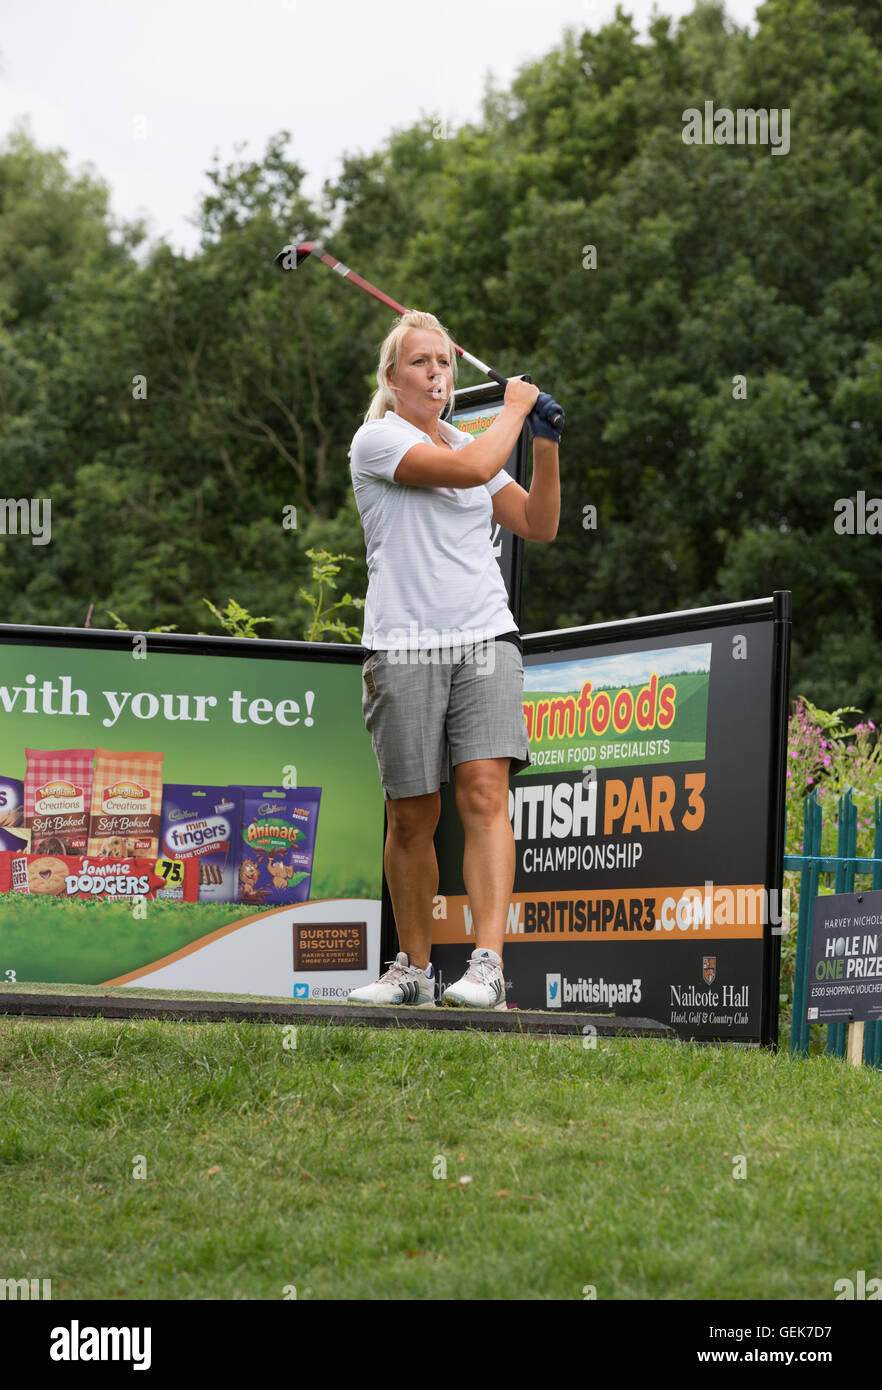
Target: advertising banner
[187,813]
[845,966]
[649,827]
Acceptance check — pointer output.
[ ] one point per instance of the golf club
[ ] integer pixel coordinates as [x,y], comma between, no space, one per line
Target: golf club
[290,257]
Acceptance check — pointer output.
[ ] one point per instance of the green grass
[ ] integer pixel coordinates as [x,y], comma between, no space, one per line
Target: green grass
[313,1166]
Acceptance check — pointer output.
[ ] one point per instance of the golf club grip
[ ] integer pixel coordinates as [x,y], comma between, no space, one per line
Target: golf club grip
[556,421]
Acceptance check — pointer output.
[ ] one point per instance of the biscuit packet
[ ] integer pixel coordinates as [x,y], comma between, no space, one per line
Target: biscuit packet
[11,803]
[202,823]
[126,805]
[79,876]
[11,842]
[276,844]
[57,799]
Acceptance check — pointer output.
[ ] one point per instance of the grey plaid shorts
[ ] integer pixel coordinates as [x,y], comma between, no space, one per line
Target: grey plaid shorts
[447,707]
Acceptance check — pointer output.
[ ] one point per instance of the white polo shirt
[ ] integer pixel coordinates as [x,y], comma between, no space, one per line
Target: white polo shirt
[433,579]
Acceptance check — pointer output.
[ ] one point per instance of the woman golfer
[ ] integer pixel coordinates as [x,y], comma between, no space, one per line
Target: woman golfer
[444,676]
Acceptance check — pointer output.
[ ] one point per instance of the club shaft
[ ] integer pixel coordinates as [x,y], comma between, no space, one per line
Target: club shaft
[363,284]
[317,249]
[348,274]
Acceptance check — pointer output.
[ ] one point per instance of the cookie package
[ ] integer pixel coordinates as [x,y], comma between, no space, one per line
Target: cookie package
[12,843]
[11,803]
[126,805]
[77,876]
[276,844]
[202,823]
[58,799]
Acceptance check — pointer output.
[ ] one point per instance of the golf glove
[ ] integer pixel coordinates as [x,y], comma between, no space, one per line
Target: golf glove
[538,418]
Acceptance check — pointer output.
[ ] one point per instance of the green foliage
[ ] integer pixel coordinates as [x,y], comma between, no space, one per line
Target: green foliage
[172,407]
[124,627]
[826,756]
[324,571]
[235,620]
[828,721]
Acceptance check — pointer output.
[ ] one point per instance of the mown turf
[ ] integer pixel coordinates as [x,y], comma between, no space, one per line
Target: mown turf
[319,1165]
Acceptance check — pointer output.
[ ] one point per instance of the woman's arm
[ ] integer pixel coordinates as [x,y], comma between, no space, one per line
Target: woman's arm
[534,515]
[427,465]
[542,507]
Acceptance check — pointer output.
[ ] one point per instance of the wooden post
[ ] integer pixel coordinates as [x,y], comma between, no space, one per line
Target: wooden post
[854,1046]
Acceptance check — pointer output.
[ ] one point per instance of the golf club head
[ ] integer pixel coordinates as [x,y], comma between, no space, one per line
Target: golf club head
[292,257]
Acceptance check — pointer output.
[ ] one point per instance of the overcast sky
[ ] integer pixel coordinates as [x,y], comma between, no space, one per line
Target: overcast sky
[148,92]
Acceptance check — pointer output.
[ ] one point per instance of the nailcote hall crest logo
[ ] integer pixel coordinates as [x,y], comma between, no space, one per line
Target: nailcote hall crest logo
[708,969]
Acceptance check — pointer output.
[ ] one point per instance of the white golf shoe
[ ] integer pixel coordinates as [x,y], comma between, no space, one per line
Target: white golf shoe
[482,986]
[402,983]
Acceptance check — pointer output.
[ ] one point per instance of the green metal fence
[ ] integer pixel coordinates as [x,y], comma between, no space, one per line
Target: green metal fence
[844,864]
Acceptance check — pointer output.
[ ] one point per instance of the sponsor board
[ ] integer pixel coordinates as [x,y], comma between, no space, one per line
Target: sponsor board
[648,833]
[845,959]
[245,803]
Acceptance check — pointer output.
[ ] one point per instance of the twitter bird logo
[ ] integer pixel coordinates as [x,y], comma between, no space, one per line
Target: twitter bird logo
[552,991]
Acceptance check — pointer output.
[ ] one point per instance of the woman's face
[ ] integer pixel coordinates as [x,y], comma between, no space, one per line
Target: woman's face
[424,378]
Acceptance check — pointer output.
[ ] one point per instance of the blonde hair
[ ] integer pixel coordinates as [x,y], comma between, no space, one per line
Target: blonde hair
[391,349]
